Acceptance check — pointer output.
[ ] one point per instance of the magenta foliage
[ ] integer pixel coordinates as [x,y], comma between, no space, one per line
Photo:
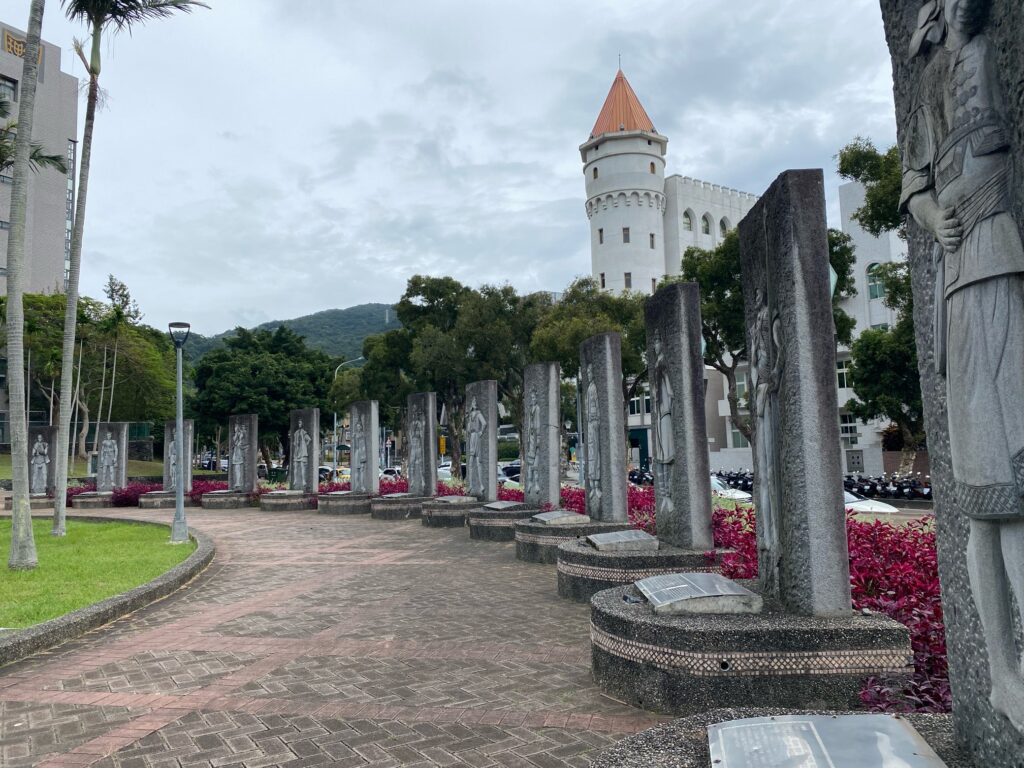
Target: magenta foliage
[199,487]
[510,494]
[443,489]
[129,495]
[393,485]
[333,487]
[74,490]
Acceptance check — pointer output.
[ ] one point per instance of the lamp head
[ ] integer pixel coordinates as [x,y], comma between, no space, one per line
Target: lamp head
[179,333]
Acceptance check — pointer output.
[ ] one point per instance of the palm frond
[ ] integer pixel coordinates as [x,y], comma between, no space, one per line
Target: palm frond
[121,15]
[39,159]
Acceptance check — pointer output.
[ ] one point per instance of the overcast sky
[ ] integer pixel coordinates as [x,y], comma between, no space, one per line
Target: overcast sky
[269,158]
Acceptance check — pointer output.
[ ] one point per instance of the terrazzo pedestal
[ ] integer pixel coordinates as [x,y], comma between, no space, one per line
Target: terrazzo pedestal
[539,542]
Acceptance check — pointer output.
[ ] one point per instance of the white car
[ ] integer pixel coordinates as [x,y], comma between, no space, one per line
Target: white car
[719,488]
[858,503]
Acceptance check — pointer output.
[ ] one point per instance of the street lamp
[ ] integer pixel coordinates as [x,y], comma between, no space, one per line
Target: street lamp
[334,448]
[179,528]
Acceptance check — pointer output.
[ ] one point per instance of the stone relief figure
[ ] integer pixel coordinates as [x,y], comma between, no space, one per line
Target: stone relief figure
[108,462]
[664,440]
[593,443]
[239,451]
[173,470]
[476,427]
[532,444]
[956,184]
[300,457]
[765,378]
[40,461]
[417,428]
[359,455]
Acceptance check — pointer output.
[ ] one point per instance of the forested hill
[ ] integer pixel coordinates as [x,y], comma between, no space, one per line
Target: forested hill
[338,332]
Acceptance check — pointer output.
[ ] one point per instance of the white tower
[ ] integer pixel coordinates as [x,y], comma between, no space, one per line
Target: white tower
[624,168]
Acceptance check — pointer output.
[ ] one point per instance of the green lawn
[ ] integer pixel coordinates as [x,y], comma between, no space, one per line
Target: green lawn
[93,562]
[135,468]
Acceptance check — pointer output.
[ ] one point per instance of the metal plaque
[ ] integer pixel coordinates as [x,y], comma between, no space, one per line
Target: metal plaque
[697,593]
[457,500]
[820,741]
[561,517]
[623,541]
[498,506]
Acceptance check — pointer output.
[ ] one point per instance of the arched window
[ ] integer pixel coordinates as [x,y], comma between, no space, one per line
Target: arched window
[687,221]
[595,171]
[876,288]
[705,225]
[653,170]
[723,227]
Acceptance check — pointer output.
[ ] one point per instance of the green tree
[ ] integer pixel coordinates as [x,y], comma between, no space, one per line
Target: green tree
[100,16]
[717,272]
[882,177]
[262,372]
[23,545]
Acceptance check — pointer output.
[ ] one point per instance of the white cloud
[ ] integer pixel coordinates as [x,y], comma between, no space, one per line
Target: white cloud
[266,159]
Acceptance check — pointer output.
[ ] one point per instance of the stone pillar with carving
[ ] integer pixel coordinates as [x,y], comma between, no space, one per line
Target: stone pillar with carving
[801,522]
[42,447]
[541,400]
[243,452]
[421,421]
[481,433]
[604,427]
[364,445]
[172,472]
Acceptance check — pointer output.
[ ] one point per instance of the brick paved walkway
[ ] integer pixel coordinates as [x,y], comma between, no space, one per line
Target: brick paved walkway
[316,640]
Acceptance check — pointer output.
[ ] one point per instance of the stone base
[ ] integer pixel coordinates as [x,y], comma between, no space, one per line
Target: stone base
[683,664]
[225,500]
[584,571]
[161,500]
[396,507]
[343,503]
[497,525]
[287,501]
[34,502]
[447,511]
[683,743]
[92,500]
[539,542]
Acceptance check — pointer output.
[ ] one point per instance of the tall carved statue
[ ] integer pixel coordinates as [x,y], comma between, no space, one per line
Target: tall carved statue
[532,444]
[300,456]
[476,426]
[358,454]
[664,441]
[108,462]
[174,461]
[956,184]
[417,426]
[40,461]
[593,442]
[239,449]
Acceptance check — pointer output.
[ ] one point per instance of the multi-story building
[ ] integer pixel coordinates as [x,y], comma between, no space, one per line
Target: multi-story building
[641,223]
[51,194]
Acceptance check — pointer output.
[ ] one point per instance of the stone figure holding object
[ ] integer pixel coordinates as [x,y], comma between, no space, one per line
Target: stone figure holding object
[300,456]
[174,461]
[476,426]
[40,461]
[532,444]
[358,453]
[108,462]
[957,182]
[239,448]
[416,429]
[664,441]
[593,443]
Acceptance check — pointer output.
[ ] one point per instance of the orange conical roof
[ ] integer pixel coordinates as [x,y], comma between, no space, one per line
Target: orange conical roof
[622,110]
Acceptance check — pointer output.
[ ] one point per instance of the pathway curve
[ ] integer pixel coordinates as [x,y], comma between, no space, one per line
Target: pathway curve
[315,640]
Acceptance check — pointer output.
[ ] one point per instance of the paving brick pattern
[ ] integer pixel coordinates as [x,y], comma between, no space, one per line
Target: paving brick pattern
[315,640]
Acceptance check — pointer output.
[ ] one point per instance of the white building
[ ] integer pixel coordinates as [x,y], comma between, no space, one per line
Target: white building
[641,223]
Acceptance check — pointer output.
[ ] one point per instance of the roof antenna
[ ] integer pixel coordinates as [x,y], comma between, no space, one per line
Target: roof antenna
[620,62]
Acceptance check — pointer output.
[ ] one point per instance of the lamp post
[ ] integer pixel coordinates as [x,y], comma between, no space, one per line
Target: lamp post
[179,528]
[334,448]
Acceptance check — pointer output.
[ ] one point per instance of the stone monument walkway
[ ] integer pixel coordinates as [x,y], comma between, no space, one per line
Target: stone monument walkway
[329,641]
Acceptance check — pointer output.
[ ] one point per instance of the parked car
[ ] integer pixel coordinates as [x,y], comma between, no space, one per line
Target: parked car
[719,488]
[444,472]
[326,473]
[391,472]
[512,469]
[859,503]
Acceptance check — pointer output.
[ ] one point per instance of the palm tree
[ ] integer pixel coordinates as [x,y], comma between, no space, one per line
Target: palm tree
[38,158]
[23,545]
[99,16]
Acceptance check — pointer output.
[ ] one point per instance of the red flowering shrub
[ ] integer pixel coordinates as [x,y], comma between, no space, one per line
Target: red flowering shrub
[332,487]
[510,494]
[393,485]
[453,488]
[74,490]
[574,498]
[199,487]
[640,507]
[129,495]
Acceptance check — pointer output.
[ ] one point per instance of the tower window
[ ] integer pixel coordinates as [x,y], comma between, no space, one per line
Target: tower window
[652,240]
[627,278]
[8,89]
[595,171]
[654,284]
[625,234]
[600,236]
[687,221]
[723,227]
[705,225]
[653,170]
[602,280]
[876,288]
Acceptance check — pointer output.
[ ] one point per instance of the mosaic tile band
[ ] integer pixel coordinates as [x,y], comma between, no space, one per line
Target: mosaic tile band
[508,523]
[546,541]
[751,663]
